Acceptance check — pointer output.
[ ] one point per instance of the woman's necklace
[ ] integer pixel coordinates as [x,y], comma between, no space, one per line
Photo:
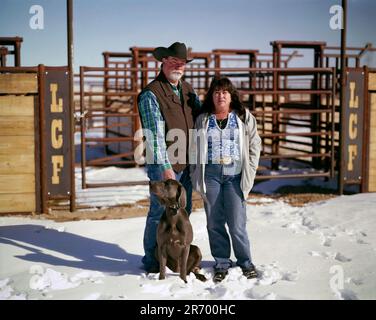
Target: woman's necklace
[222,123]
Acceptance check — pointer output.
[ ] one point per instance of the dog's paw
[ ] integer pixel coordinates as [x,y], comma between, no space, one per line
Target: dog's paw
[162,277]
[201,277]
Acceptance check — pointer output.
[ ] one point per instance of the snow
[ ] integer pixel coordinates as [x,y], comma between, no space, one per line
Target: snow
[111,196]
[323,250]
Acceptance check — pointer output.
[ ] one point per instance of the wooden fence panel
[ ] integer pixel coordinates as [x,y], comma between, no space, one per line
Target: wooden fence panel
[18,83]
[17,144]
[372,144]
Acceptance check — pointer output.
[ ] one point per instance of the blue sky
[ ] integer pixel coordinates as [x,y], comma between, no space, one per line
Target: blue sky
[116,25]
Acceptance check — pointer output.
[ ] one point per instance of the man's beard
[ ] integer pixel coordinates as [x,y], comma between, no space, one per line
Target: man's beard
[175,76]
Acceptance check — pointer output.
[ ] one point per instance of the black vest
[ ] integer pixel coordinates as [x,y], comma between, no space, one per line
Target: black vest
[176,113]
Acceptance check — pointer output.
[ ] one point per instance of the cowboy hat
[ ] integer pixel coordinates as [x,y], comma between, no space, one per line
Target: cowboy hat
[177,49]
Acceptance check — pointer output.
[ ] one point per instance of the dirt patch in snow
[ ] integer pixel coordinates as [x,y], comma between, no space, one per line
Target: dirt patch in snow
[140,208]
[294,200]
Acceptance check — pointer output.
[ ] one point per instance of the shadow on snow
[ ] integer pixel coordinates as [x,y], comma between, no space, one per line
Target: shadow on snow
[48,246]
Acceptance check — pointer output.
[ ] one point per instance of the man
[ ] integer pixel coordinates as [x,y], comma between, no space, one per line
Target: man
[167,103]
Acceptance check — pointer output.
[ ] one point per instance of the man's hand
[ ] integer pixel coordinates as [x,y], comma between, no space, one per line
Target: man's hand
[168,174]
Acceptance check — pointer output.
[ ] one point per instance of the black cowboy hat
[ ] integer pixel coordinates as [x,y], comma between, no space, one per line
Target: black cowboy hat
[177,49]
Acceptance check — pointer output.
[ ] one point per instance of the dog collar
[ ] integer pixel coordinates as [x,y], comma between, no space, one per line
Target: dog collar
[174,207]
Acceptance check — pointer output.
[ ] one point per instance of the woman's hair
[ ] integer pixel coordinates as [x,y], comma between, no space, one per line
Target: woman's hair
[223,83]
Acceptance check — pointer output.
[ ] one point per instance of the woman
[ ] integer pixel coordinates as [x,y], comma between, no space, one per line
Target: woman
[225,154]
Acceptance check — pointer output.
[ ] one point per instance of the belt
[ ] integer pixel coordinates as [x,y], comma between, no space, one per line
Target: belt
[223,161]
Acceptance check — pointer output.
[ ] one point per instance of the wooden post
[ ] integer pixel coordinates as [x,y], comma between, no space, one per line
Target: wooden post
[71,101]
[342,100]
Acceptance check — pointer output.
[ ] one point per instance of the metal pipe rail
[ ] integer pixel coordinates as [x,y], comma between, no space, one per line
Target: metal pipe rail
[265,86]
[295,71]
[295,155]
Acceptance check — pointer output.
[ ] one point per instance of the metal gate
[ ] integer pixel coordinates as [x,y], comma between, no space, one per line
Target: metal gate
[297,109]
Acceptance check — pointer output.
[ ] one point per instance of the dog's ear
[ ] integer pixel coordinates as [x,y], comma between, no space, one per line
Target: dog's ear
[162,201]
[181,197]
[155,188]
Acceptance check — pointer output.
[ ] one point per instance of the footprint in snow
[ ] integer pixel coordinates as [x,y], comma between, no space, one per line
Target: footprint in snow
[346,294]
[217,292]
[356,281]
[340,257]
[271,274]
[327,239]
[332,255]
[361,241]
[251,294]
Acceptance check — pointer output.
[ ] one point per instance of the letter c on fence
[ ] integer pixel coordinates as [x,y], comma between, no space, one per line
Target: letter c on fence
[57,139]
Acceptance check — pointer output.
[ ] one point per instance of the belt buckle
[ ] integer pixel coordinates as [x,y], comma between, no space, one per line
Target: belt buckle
[225,160]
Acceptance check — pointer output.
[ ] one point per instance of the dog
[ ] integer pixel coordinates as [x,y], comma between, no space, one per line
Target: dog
[174,232]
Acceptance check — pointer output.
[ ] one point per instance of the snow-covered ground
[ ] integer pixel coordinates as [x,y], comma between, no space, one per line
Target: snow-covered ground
[323,250]
[111,196]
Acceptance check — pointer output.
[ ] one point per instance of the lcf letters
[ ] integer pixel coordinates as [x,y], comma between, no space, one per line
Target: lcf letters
[352,148]
[56,134]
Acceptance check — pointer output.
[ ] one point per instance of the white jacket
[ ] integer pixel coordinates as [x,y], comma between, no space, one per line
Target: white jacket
[250,147]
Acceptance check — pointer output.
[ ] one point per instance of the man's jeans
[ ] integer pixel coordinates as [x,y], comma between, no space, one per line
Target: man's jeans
[156,210]
[225,204]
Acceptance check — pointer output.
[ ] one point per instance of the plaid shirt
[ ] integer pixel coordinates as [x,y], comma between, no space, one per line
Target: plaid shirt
[153,120]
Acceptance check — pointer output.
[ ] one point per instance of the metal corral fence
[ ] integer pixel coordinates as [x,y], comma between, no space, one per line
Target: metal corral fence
[299,116]
[297,109]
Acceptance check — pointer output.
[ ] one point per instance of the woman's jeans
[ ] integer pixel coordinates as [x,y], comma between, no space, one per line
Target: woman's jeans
[156,210]
[225,204]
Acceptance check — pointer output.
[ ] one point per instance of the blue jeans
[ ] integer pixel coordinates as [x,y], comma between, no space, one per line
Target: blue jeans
[156,210]
[225,204]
